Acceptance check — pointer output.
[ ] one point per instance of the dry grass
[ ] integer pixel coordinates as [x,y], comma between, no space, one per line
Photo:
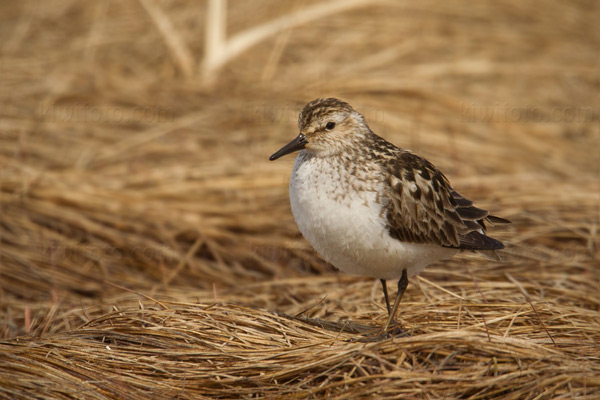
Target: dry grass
[147,248]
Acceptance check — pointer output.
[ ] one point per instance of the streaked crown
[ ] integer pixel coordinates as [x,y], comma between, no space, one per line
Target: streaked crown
[330,124]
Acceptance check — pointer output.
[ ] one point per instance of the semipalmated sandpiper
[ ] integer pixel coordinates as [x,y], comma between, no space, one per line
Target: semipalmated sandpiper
[371,208]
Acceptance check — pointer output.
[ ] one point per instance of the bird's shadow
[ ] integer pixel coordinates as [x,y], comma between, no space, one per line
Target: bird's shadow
[364,333]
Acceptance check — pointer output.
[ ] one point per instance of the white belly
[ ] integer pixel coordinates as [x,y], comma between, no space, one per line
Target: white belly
[341,217]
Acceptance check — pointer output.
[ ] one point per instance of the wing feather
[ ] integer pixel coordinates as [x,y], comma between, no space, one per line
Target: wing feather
[422,207]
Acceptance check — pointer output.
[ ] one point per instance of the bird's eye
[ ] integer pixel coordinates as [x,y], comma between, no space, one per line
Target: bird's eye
[330,126]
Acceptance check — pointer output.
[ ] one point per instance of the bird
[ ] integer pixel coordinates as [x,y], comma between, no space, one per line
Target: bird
[371,208]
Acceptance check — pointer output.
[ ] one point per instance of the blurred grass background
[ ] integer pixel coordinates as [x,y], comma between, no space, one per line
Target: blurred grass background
[134,144]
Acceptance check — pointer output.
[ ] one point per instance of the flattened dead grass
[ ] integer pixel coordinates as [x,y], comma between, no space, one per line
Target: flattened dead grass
[147,248]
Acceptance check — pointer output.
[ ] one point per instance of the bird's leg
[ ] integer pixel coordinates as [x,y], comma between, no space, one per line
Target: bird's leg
[402,284]
[385,294]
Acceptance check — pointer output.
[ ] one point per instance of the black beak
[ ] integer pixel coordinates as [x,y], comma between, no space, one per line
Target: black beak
[297,144]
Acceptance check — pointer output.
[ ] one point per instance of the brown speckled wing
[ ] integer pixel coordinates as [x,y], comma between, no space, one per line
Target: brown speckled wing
[422,207]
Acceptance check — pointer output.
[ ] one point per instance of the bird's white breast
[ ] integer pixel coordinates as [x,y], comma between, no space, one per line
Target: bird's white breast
[339,210]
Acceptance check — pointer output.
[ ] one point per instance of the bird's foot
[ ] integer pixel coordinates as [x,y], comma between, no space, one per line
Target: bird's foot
[382,334]
[395,331]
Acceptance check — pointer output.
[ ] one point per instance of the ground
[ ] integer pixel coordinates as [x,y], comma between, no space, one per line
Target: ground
[147,247]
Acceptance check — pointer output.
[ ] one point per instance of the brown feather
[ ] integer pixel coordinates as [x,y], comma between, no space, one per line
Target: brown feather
[422,207]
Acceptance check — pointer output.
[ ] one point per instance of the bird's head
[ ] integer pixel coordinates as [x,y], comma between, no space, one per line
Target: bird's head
[327,126]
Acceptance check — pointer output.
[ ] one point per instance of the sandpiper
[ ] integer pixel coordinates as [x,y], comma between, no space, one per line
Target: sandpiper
[371,208]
